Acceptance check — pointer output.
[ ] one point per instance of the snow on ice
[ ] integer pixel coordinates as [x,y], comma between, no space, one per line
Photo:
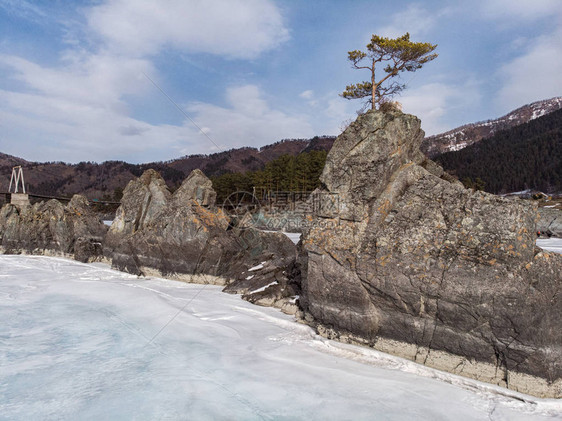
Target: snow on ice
[82,341]
[551,244]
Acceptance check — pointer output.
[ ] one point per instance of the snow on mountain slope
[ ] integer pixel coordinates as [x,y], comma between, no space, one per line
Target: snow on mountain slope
[82,341]
[466,135]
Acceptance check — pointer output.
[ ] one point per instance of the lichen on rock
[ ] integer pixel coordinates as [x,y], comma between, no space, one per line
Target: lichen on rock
[415,264]
[53,228]
[550,222]
[185,236]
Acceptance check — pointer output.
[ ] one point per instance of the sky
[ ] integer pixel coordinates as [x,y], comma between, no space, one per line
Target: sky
[145,81]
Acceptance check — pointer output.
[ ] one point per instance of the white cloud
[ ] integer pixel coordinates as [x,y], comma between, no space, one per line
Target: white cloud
[308,94]
[534,75]
[434,101]
[67,129]
[86,78]
[248,121]
[231,28]
[520,9]
[309,97]
[45,128]
[79,109]
[414,19]
[22,8]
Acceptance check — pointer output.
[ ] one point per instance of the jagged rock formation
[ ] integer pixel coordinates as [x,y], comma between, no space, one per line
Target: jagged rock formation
[405,259]
[550,222]
[183,236]
[52,228]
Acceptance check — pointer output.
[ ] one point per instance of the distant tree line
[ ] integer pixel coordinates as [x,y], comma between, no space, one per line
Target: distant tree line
[528,156]
[286,173]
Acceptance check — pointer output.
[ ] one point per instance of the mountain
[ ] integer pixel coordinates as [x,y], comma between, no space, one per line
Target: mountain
[527,156]
[466,135]
[106,180]
[249,159]
[11,161]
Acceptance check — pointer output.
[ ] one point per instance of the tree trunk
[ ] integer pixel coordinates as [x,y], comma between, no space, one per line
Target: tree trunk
[373,86]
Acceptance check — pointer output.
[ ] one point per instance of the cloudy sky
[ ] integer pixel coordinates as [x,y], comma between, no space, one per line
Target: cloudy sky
[93,80]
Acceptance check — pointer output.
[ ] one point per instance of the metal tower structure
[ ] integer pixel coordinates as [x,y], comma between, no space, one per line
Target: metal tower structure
[17,177]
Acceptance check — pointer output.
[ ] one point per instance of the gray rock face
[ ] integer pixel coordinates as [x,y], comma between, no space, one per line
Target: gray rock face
[197,187]
[51,227]
[183,236]
[550,222]
[405,259]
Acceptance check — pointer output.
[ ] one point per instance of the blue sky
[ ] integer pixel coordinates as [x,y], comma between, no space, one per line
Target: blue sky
[74,75]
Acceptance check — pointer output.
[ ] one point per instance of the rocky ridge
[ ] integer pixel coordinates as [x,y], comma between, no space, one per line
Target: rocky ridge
[181,236]
[52,228]
[461,137]
[550,222]
[184,236]
[406,260]
[399,256]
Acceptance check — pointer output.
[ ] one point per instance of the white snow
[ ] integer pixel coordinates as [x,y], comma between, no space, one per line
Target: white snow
[264,287]
[293,236]
[82,341]
[550,244]
[108,222]
[458,146]
[518,193]
[258,267]
[538,113]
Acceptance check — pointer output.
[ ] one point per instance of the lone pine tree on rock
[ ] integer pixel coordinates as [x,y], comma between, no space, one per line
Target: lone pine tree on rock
[399,55]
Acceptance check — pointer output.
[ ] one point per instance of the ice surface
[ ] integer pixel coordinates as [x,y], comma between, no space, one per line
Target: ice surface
[85,342]
[293,236]
[550,244]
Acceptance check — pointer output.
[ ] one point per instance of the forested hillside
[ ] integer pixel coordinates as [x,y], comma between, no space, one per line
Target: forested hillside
[528,156]
[108,179]
[286,173]
[463,136]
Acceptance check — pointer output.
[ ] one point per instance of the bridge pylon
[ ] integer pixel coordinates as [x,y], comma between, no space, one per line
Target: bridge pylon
[17,198]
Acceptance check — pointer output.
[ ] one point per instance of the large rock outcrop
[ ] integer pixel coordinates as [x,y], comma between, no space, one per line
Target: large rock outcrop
[53,228]
[403,258]
[184,236]
[550,222]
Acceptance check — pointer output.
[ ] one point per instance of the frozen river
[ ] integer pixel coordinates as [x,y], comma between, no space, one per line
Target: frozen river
[551,244]
[85,342]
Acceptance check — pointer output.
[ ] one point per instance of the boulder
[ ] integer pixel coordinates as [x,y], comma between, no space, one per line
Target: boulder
[52,228]
[184,236]
[550,222]
[401,257]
